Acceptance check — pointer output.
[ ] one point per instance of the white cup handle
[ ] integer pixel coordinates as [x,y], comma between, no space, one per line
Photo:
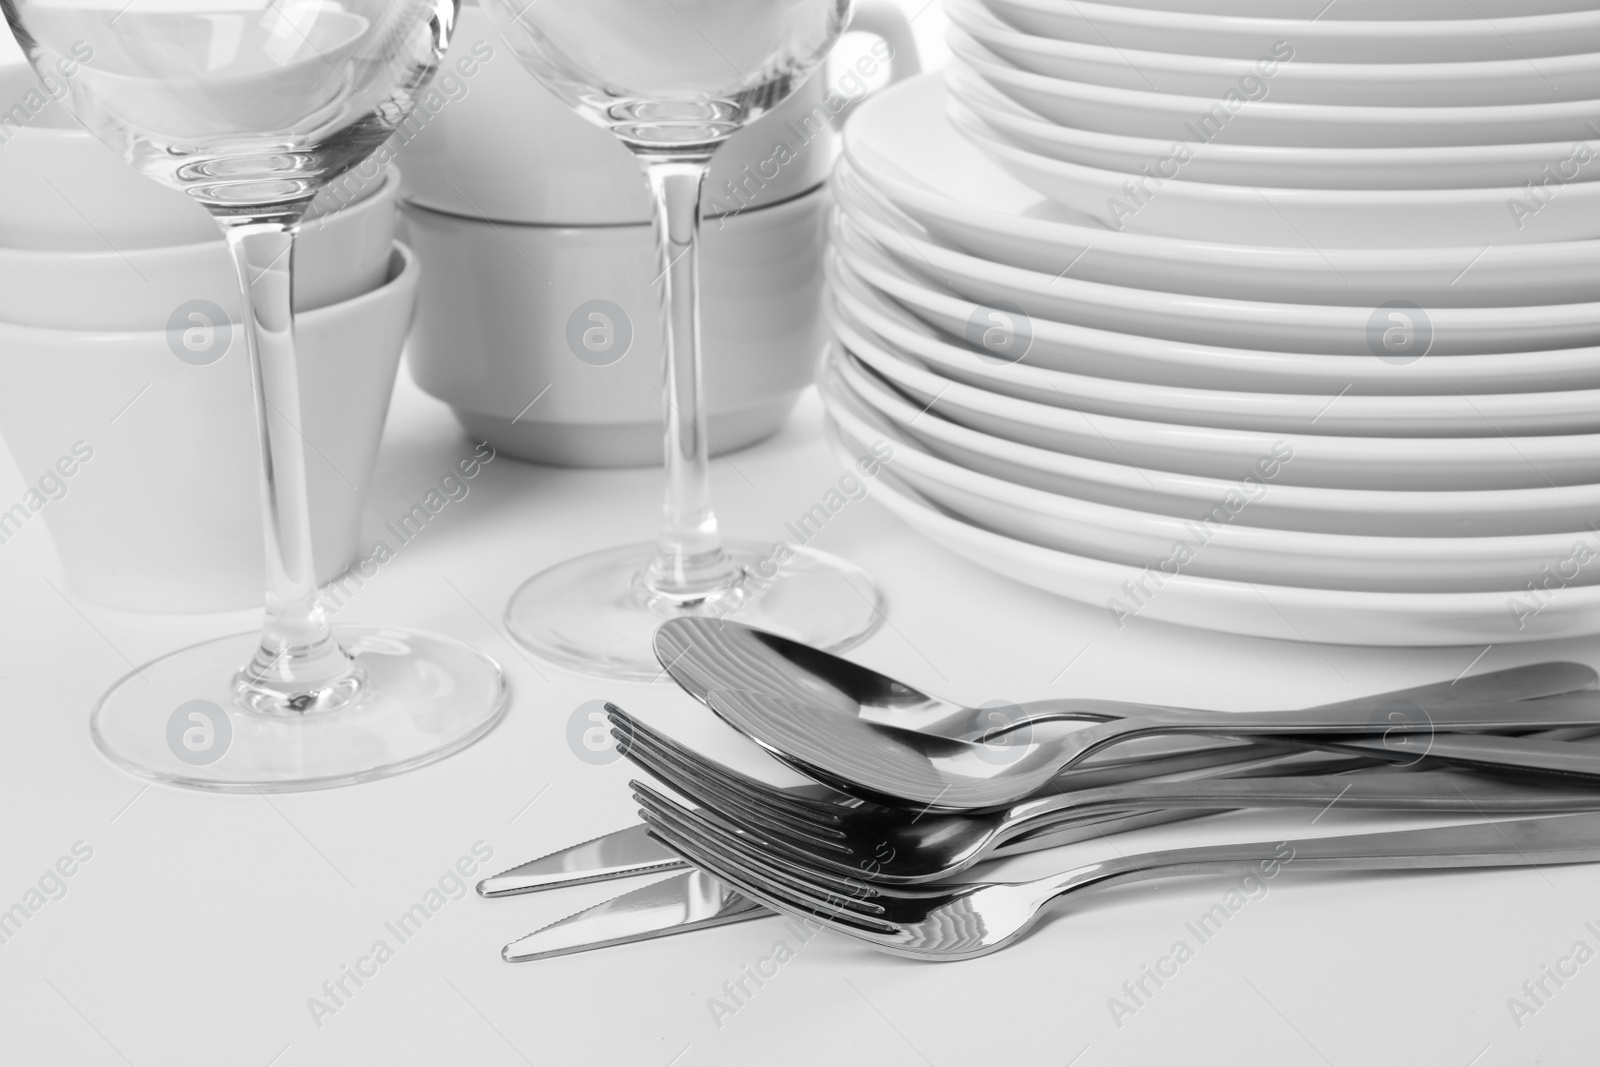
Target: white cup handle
[886,19]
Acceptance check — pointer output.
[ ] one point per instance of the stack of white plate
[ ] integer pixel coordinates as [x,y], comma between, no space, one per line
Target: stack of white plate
[1321,379]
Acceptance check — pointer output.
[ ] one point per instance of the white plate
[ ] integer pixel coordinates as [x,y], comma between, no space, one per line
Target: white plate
[1513,81]
[1130,357]
[1366,9]
[1449,167]
[1236,119]
[903,145]
[1210,544]
[870,319]
[1317,615]
[1471,37]
[1323,218]
[1492,513]
[1334,462]
[1326,329]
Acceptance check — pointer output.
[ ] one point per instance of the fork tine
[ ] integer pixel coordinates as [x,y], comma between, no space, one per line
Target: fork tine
[813,812]
[856,889]
[711,793]
[718,834]
[758,888]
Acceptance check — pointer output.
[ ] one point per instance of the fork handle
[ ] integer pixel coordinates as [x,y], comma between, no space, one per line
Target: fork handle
[1565,709]
[1571,709]
[1450,791]
[1551,839]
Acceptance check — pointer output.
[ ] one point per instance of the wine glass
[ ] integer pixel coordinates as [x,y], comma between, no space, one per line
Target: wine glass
[249,107]
[673,79]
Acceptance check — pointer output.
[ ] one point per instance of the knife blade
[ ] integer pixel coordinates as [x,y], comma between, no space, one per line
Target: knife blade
[615,855]
[692,900]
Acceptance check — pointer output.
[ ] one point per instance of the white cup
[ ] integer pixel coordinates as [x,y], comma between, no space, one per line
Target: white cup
[140,448]
[341,253]
[533,227]
[545,339]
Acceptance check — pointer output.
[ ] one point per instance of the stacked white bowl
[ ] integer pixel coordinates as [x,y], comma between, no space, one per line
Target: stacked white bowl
[1267,316]
[126,398]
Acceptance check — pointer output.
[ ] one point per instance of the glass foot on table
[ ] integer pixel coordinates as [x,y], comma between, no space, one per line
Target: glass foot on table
[175,720]
[595,614]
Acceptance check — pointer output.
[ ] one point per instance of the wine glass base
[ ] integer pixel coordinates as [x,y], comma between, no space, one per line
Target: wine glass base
[175,720]
[593,614]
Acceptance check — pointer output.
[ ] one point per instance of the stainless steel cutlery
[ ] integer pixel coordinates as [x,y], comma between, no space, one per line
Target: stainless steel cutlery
[1054,773]
[964,920]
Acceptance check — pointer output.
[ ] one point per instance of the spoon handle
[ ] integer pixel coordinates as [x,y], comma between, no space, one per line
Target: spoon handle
[1489,751]
[1454,791]
[1568,709]
[1529,682]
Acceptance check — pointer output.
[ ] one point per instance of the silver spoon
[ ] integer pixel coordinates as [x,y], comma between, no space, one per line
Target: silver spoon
[704,655]
[877,761]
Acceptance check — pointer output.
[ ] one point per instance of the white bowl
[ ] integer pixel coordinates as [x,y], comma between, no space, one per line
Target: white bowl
[495,143]
[1450,167]
[1440,513]
[1506,81]
[1319,460]
[1470,37]
[1334,218]
[1327,329]
[505,310]
[166,515]
[61,189]
[866,321]
[1255,609]
[1264,121]
[1213,546]
[340,254]
[902,145]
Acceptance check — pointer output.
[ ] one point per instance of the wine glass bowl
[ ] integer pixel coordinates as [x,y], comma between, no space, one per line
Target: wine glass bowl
[240,107]
[666,75]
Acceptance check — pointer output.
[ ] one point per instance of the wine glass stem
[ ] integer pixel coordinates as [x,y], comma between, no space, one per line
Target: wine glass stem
[298,666]
[690,562]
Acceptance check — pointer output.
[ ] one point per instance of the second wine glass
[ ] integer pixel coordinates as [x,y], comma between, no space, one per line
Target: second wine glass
[673,79]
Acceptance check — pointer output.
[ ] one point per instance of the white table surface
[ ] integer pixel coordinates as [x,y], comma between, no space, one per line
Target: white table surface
[202,925]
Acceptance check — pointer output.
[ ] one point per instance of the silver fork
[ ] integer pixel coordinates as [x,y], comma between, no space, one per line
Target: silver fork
[906,847]
[962,921]
[901,845]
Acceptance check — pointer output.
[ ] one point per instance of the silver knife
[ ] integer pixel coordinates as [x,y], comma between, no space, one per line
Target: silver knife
[692,900]
[696,901]
[616,855]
